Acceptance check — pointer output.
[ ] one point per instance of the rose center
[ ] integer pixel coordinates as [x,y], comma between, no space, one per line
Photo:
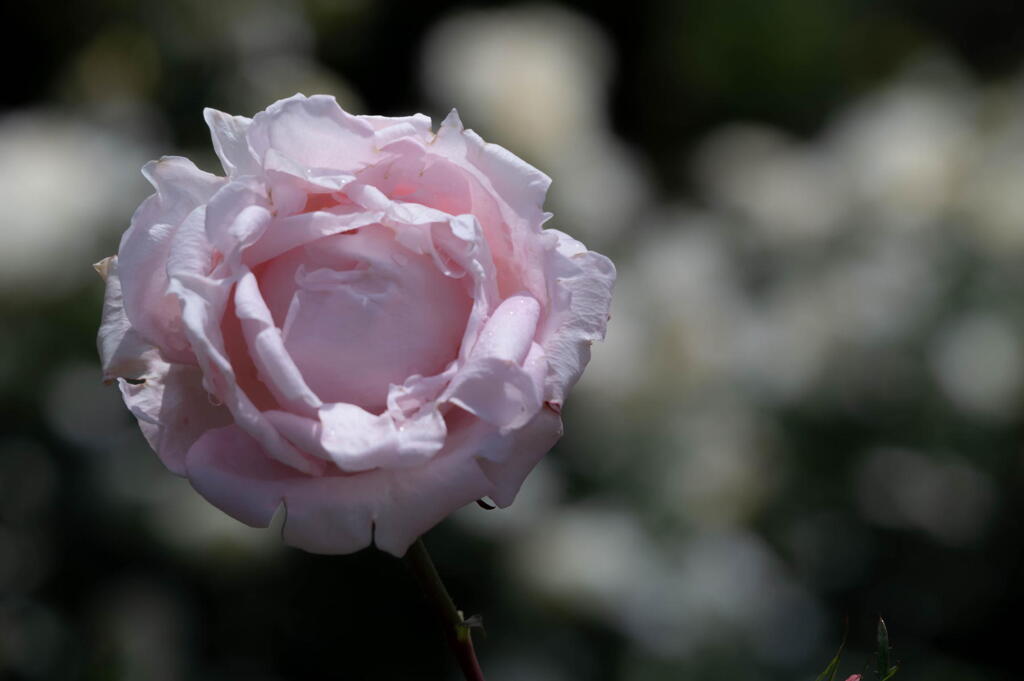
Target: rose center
[360,312]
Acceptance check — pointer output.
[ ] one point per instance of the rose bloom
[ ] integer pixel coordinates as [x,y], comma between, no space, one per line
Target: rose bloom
[364,322]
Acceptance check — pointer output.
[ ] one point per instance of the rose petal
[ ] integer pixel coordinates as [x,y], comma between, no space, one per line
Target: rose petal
[236,217]
[521,186]
[509,458]
[297,230]
[357,440]
[291,183]
[173,410]
[145,247]
[513,189]
[368,313]
[230,142]
[313,132]
[419,122]
[509,332]
[581,284]
[276,367]
[203,302]
[493,385]
[332,514]
[123,352]
[421,497]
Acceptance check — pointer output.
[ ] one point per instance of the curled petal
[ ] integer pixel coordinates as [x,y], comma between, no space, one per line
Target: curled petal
[581,294]
[357,440]
[351,433]
[236,217]
[494,384]
[509,332]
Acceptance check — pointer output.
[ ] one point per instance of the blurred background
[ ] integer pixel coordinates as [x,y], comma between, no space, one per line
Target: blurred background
[809,409]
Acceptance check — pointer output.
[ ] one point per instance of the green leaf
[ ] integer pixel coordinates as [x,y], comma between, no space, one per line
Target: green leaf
[885,670]
[830,671]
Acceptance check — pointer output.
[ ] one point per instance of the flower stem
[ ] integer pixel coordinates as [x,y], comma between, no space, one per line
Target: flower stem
[457,630]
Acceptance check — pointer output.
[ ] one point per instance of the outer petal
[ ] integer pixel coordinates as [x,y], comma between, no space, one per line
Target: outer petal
[313,132]
[418,122]
[511,457]
[333,514]
[230,142]
[421,497]
[580,291]
[168,399]
[520,186]
[123,352]
[517,188]
[145,247]
[173,410]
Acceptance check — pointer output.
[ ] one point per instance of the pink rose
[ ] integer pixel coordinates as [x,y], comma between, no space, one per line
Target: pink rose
[364,321]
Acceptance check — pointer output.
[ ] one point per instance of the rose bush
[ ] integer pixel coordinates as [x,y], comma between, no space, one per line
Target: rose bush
[363,321]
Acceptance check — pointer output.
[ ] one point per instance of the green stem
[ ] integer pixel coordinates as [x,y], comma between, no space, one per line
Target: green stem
[456,630]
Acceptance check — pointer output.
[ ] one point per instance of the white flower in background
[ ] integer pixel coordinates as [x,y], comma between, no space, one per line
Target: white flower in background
[536,79]
[591,558]
[601,562]
[881,287]
[535,75]
[904,147]
[66,183]
[720,467]
[690,291]
[945,497]
[780,347]
[978,363]
[730,585]
[787,191]
[991,201]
